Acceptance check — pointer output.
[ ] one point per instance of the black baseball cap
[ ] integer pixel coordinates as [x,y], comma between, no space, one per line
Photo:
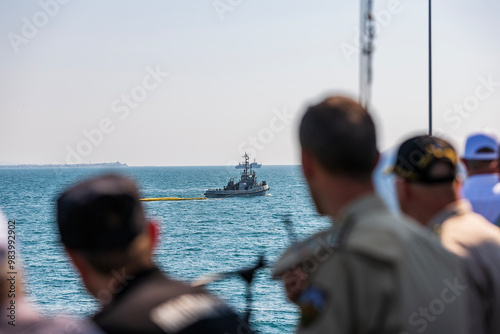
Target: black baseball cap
[418,160]
[102,213]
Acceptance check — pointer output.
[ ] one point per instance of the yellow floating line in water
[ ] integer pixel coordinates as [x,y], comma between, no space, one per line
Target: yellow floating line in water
[171,199]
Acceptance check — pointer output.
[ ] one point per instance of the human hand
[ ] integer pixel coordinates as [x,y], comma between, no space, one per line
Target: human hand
[295,281]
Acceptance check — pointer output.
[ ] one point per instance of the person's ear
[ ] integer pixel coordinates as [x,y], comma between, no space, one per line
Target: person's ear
[308,163]
[408,190]
[495,164]
[79,262]
[403,190]
[377,160]
[464,161]
[153,230]
[457,185]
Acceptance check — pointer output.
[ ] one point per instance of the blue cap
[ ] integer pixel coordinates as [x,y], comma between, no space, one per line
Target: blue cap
[481,147]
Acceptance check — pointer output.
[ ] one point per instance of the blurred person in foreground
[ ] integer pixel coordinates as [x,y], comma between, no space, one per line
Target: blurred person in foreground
[482,186]
[427,189]
[107,237]
[17,313]
[370,272]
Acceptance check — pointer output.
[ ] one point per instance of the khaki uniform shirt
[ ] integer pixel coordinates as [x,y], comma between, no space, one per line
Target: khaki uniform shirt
[375,273]
[477,241]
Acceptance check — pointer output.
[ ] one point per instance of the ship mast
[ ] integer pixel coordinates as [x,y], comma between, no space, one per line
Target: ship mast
[245,172]
[430,69]
[366,36]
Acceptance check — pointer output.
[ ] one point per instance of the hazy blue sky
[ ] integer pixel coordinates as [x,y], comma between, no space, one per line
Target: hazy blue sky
[196,82]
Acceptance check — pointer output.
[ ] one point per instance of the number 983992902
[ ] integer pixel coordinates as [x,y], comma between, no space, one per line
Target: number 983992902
[11,247]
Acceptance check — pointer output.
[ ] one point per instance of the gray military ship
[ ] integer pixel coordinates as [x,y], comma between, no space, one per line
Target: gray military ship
[254,165]
[246,186]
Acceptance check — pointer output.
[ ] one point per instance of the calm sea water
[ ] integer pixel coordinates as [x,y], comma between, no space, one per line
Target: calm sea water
[197,237]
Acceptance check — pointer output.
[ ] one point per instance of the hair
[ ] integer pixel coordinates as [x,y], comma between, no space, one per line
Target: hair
[476,165]
[340,134]
[136,254]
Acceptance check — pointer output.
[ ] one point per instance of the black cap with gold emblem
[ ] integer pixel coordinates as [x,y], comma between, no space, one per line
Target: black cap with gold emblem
[426,159]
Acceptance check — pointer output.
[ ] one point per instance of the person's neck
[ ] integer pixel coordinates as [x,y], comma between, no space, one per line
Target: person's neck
[105,287]
[423,217]
[341,192]
[433,206]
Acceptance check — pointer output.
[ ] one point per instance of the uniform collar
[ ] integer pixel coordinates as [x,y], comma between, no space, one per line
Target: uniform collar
[370,229]
[130,284]
[456,208]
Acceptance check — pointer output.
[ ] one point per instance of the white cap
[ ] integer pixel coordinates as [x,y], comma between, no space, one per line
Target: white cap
[478,142]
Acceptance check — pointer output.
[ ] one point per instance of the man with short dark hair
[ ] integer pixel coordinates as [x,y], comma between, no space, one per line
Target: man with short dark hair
[427,188]
[370,272]
[105,233]
[482,187]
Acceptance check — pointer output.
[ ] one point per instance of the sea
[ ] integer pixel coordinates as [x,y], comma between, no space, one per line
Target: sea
[198,237]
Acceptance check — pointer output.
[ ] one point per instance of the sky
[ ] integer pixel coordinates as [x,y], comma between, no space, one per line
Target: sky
[181,83]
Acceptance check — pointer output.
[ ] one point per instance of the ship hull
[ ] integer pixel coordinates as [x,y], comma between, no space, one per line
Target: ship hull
[257,191]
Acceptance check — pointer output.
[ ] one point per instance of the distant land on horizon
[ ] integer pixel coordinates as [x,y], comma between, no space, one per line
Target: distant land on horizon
[4,165]
[98,164]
